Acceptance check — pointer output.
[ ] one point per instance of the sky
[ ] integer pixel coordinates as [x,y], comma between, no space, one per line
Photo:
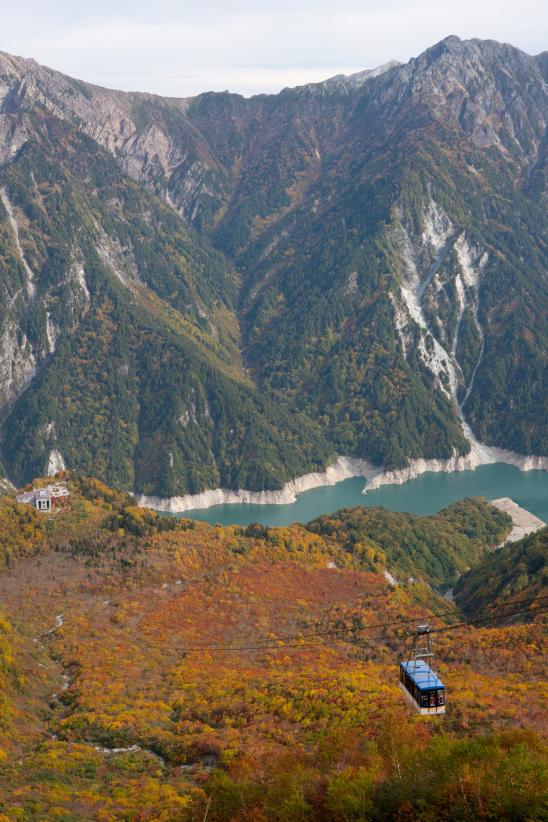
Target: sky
[182,48]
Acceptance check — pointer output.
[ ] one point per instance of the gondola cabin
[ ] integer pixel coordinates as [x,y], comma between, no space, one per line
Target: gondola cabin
[422,687]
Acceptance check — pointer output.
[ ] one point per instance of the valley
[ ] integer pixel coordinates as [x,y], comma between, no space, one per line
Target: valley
[273,381]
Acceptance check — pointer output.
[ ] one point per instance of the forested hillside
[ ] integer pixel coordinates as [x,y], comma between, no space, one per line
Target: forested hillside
[130,378]
[230,292]
[159,668]
[436,548]
[516,571]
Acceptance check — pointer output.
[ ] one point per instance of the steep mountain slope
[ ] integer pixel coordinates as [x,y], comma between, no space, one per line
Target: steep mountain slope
[418,222]
[107,713]
[516,571]
[120,345]
[359,264]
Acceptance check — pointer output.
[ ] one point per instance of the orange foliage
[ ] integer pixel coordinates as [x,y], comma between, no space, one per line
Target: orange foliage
[311,727]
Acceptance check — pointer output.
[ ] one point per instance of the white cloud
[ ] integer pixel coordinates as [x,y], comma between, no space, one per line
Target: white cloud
[182,48]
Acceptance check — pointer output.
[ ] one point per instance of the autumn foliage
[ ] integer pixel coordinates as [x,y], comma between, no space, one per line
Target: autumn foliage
[153,669]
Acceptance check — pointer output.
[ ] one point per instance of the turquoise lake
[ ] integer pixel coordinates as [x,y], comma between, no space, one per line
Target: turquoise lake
[424,495]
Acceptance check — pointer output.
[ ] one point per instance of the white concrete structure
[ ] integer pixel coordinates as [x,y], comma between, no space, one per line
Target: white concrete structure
[43,498]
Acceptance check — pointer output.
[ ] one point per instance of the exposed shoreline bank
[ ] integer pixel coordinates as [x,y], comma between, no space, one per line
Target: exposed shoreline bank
[343,468]
[524,522]
[479,455]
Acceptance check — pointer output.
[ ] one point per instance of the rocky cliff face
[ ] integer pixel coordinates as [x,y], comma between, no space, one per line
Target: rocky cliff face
[355,266]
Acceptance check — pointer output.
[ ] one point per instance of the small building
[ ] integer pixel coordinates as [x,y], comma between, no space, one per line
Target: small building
[43,499]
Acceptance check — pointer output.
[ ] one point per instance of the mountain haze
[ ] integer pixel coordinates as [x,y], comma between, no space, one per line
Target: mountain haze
[221,291]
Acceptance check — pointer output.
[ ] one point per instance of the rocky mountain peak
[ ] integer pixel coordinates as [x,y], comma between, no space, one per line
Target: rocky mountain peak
[492,91]
[356,80]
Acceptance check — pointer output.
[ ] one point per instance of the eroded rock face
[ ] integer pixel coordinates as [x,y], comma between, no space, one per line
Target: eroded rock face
[195,152]
[479,86]
[494,94]
[119,122]
[37,310]
[17,362]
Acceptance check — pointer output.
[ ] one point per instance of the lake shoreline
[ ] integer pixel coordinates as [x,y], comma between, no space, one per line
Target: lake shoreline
[523,521]
[343,468]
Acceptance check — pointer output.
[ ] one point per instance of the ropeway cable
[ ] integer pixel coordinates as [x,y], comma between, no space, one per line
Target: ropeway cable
[267,644]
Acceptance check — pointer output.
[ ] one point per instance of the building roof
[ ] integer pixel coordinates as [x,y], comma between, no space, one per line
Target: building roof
[422,675]
[28,496]
[59,489]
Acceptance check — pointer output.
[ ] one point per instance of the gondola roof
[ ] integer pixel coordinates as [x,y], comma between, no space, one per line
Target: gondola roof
[422,674]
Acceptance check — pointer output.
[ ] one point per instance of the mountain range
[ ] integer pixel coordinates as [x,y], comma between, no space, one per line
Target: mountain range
[221,291]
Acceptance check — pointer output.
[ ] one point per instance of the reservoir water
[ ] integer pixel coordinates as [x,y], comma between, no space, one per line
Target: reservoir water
[424,495]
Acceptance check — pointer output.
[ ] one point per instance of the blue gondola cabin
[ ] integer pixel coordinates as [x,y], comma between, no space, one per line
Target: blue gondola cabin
[422,687]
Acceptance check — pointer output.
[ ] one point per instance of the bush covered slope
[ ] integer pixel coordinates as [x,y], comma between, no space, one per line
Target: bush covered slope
[516,571]
[436,548]
[117,702]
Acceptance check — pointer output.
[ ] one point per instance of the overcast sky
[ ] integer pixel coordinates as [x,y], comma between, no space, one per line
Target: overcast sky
[180,48]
